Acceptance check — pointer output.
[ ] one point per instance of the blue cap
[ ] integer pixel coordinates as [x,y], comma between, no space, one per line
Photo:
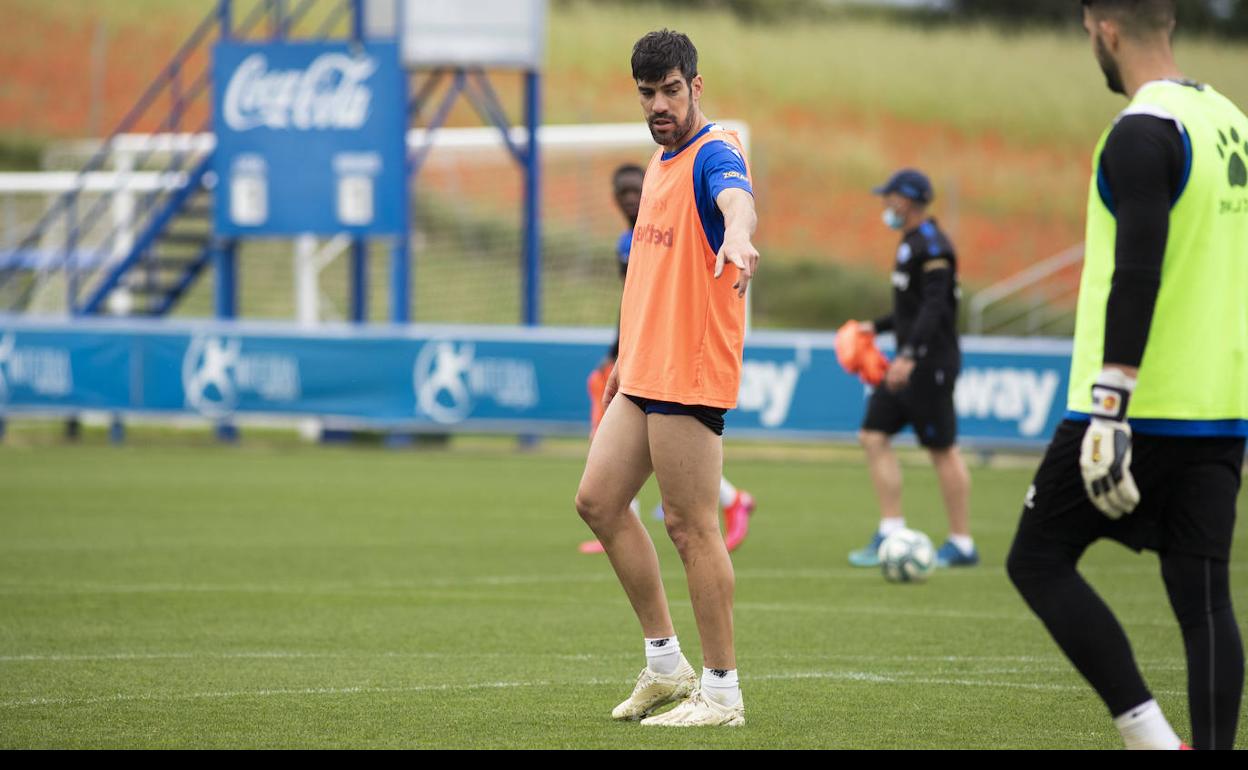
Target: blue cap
[908,183]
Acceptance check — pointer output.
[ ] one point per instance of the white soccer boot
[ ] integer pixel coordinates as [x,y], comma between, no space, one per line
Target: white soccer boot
[654,690]
[700,711]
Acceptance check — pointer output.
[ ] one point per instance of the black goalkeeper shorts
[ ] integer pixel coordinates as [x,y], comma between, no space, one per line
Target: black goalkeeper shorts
[1188,490]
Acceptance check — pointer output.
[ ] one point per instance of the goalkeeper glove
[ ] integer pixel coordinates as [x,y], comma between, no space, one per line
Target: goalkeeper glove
[1105,458]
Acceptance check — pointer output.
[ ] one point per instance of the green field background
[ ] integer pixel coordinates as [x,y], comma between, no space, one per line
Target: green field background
[177,593]
[174,593]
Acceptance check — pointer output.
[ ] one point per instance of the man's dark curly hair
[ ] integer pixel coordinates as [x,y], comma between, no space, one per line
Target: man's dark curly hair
[658,53]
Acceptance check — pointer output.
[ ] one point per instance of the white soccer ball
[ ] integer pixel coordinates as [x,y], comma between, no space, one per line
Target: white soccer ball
[907,556]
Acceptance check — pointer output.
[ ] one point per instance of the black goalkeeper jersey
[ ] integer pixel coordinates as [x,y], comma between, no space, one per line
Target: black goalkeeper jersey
[925,298]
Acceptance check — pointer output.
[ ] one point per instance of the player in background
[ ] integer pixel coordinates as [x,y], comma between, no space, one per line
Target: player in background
[737,505]
[682,332]
[1151,450]
[918,386]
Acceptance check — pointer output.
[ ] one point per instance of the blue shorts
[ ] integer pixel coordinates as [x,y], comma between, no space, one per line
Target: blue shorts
[710,416]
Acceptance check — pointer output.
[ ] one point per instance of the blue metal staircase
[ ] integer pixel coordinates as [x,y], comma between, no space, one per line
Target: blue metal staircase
[147,264]
[168,254]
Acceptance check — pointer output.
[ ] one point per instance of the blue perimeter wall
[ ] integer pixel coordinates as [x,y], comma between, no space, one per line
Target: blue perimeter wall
[1012,391]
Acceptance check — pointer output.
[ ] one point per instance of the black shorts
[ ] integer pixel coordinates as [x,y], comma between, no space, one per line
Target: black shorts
[710,416]
[1188,488]
[926,403]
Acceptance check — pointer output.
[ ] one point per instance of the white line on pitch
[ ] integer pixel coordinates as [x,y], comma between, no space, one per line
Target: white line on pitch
[229,694]
[490,580]
[281,655]
[903,679]
[847,676]
[1024,660]
[923,612]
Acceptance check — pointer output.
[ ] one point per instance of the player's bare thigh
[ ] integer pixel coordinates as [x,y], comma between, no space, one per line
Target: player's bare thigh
[688,461]
[617,466]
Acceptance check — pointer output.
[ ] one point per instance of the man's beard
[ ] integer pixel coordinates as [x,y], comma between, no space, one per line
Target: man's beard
[678,130]
[1113,77]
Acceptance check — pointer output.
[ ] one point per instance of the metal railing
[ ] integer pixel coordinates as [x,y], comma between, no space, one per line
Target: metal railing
[1037,297]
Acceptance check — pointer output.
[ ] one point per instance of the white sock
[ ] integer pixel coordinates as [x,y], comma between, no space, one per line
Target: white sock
[721,685]
[727,493]
[1145,727]
[965,543]
[892,524]
[635,507]
[663,655]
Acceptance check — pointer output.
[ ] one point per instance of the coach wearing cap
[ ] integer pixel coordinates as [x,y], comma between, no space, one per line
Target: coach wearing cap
[918,388]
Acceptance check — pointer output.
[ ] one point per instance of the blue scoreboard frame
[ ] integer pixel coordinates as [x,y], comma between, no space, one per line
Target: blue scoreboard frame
[311,138]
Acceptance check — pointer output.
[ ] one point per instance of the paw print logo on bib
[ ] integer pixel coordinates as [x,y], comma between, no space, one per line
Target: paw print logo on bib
[1230,150]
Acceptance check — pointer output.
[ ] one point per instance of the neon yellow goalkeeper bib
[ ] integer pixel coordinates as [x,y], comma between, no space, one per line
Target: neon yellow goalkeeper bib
[1194,376]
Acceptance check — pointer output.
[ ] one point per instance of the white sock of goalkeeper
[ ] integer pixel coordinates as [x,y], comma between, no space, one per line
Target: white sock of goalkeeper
[1145,727]
[663,655]
[721,685]
[727,493]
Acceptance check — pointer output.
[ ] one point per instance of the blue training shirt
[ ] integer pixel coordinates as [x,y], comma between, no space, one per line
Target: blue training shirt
[623,246]
[718,167]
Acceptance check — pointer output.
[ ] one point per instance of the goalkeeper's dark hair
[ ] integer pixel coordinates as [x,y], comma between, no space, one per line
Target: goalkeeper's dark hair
[624,170]
[1138,18]
[658,53]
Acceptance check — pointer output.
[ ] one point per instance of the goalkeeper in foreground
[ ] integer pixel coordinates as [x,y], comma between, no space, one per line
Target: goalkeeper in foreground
[1152,449]
[737,504]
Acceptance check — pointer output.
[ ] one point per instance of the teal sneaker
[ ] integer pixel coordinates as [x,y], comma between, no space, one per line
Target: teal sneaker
[868,555]
[950,555]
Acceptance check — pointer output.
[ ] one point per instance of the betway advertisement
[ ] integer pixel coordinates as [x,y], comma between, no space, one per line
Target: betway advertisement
[474,378]
[1010,390]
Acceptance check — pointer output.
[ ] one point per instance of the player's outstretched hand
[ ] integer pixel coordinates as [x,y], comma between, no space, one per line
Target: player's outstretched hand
[742,254]
[1105,461]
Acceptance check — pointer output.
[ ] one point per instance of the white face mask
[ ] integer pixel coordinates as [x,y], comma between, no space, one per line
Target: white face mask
[894,220]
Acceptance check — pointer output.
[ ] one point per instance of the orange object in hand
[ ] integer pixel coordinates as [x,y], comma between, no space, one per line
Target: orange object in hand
[874,365]
[847,346]
[857,353]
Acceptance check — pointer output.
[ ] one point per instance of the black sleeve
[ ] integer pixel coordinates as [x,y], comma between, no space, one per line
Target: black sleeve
[937,283]
[1143,164]
[883,324]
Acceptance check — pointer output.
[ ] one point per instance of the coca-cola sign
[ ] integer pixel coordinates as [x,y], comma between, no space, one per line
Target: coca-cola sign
[311,138]
[330,93]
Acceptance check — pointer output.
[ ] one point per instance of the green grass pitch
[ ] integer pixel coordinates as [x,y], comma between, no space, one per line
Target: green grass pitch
[169,594]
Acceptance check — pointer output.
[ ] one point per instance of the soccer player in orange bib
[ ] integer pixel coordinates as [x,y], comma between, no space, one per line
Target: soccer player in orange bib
[738,505]
[682,329]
